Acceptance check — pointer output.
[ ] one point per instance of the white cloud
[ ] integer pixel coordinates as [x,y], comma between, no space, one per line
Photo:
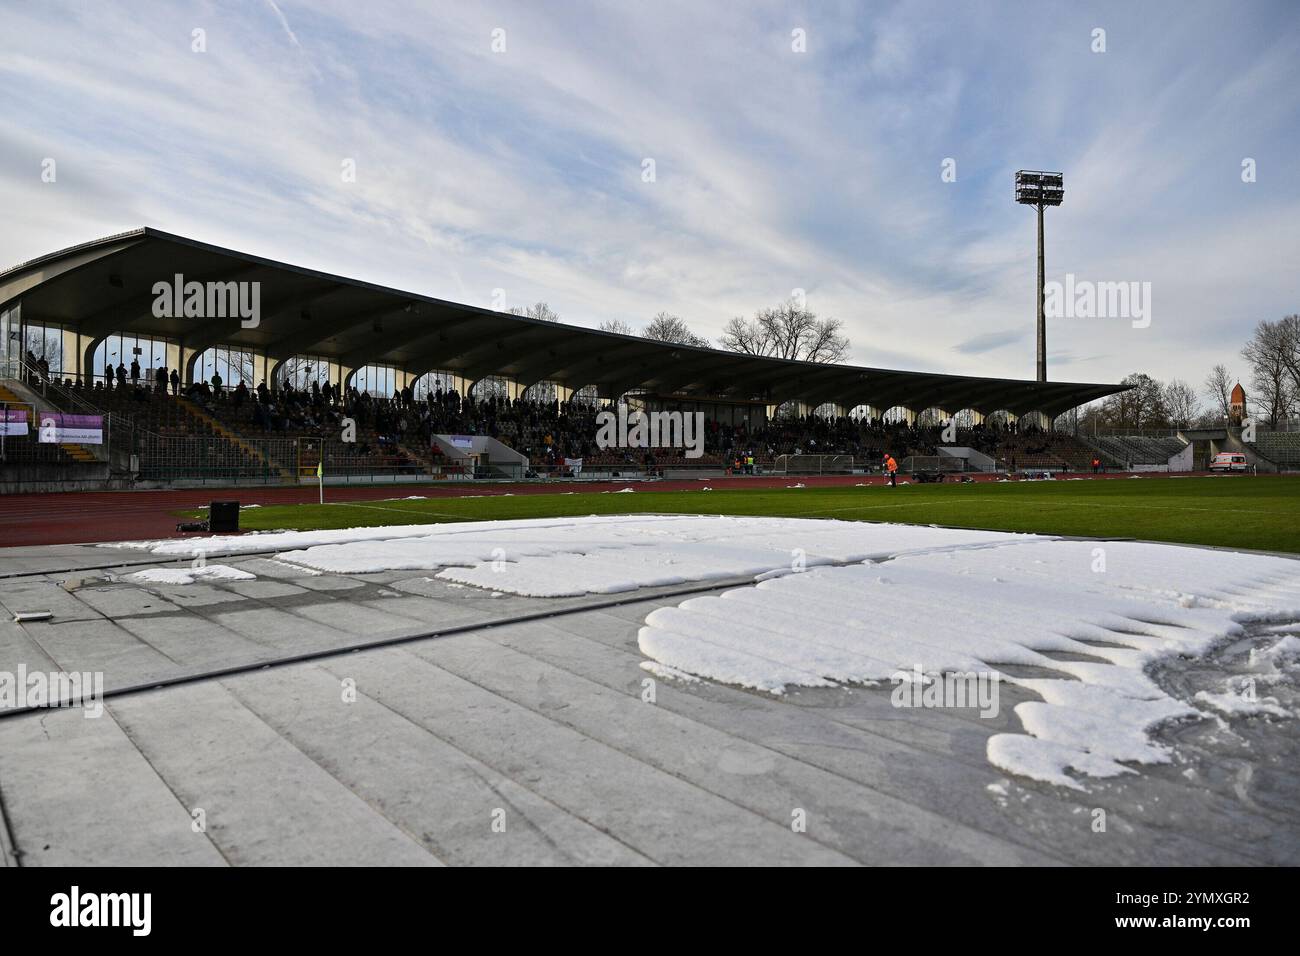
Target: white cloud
[775,169]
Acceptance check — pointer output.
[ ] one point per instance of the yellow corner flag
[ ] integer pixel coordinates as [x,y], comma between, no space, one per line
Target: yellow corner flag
[320,478]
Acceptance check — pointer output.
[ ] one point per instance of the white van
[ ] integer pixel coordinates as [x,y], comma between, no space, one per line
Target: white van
[1228,461]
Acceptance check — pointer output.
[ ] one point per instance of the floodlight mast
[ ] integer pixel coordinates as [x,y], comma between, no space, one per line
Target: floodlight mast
[1040,189]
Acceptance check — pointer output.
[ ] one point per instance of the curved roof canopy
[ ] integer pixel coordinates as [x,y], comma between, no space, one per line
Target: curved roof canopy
[106,286]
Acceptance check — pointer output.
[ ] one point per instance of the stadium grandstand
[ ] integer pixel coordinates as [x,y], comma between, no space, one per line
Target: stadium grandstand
[147,357]
[1193,448]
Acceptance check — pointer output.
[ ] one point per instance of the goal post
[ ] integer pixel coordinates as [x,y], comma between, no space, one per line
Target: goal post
[813,464]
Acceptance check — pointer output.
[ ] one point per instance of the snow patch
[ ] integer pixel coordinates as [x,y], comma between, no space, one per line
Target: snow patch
[665,672]
[215,572]
[1234,704]
[1035,603]
[853,603]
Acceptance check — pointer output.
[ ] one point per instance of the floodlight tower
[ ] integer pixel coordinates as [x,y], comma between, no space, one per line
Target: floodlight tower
[1037,188]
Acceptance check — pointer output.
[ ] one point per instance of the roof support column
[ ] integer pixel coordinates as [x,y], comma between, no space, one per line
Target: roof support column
[79,357]
[87,354]
[189,359]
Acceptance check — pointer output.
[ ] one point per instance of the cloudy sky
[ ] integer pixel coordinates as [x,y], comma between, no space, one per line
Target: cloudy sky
[794,146]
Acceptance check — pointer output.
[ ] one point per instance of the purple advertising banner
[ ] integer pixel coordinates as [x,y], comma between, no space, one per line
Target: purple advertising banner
[57,428]
[13,422]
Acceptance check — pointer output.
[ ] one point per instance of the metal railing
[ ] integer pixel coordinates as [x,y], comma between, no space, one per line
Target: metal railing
[20,447]
[1116,431]
[119,431]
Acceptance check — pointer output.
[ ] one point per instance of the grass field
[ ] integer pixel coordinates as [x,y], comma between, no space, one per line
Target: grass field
[1255,513]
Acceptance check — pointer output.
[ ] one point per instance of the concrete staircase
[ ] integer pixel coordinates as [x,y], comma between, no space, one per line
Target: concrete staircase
[9,395]
[423,459]
[78,452]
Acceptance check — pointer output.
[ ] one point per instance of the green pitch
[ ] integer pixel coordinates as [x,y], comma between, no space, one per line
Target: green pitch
[1240,512]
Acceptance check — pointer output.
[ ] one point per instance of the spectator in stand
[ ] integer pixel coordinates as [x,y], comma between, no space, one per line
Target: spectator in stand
[160,380]
[216,383]
[176,382]
[135,371]
[121,375]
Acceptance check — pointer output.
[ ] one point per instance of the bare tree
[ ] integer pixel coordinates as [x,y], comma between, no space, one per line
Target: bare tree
[617,326]
[1289,345]
[665,327]
[301,370]
[539,311]
[1272,387]
[1142,405]
[1091,416]
[742,335]
[1181,406]
[1219,385]
[1067,422]
[788,331]
[488,387]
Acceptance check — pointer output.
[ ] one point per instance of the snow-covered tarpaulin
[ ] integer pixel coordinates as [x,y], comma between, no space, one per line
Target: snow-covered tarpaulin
[833,603]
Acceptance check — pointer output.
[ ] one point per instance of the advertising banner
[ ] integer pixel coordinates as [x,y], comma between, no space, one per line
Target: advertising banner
[13,422]
[57,429]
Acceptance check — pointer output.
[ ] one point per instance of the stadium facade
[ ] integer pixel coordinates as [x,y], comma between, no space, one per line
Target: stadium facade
[72,319]
[105,287]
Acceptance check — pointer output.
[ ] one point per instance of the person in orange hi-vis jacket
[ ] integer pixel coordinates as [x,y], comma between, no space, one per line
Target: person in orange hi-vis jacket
[891,466]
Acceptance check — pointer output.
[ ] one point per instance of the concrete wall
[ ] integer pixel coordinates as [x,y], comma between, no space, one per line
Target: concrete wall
[1183,460]
[975,460]
[497,453]
[16,478]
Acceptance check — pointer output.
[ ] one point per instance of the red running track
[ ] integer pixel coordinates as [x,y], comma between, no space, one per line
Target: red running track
[90,516]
